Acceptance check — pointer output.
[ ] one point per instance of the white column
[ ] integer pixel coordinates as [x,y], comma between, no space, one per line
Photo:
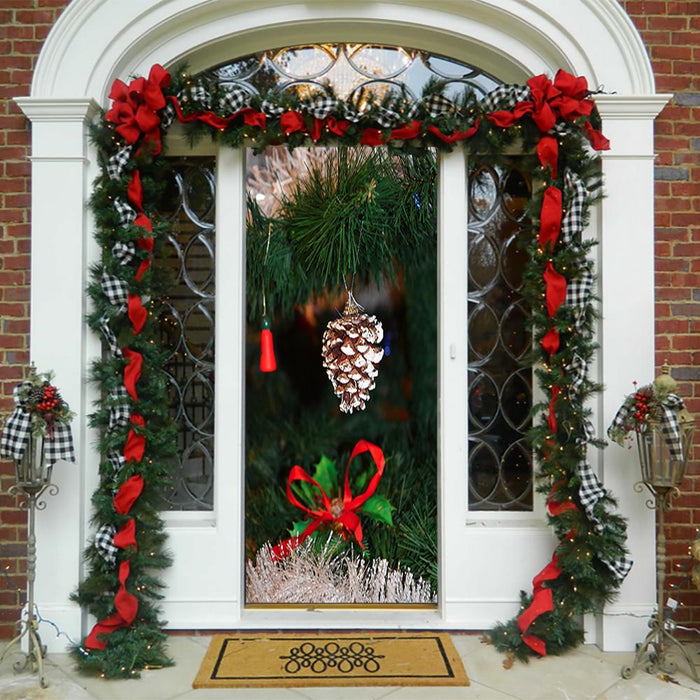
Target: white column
[60,253]
[627,339]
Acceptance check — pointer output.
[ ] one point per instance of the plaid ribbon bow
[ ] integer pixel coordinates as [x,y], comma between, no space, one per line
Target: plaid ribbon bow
[18,429]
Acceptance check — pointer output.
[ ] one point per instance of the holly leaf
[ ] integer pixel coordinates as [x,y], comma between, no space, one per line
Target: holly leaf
[327,476]
[378,508]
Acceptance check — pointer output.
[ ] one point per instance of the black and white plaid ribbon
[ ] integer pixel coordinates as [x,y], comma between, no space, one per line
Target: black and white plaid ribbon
[167,115]
[385,117]
[125,212]
[505,97]
[117,462]
[320,107]
[234,99]
[124,252]
[117,162]
[668,419]
[578,295]
[119,408]
[271,109]
[115,289]
[18,428]
[620,567]
[352,115]
[195,94]
[436,105]
[110,337]
[572,222]
[576,370]
[104,543]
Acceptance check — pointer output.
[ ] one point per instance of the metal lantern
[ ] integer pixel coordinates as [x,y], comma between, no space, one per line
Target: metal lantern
[659,468]
[33,474]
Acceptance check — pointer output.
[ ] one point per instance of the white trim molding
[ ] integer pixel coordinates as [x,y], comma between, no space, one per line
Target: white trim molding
[92,43]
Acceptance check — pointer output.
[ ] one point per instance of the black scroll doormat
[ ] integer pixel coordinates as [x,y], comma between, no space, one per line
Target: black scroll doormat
[266,660]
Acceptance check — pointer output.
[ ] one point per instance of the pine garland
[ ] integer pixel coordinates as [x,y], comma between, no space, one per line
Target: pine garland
[552,121]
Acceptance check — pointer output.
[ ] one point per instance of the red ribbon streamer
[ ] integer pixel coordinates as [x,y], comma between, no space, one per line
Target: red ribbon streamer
[550,341]
[548,153]
[292,121]
[550,217]
[455,135]
[555,289]
[137,313]
[128,492]
[551,417]
[337,126]
[252,117]
[134,191]
[126,537]
[132,371]
[347,519]
[372,137]
[407,132]
[127,607]
[541,603]
[135,443]
[598,141]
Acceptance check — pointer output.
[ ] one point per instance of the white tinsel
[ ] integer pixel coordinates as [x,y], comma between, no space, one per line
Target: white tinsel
[309,576]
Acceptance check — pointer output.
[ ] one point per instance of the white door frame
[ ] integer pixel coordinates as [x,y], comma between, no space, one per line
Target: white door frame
[94,43]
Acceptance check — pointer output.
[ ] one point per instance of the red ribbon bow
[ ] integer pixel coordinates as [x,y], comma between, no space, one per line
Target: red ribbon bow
[339,515]
[135,105]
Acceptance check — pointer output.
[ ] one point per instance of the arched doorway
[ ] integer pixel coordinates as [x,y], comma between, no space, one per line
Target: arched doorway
[92,45]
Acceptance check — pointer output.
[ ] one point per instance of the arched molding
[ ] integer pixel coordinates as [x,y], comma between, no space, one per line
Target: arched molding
[94,42]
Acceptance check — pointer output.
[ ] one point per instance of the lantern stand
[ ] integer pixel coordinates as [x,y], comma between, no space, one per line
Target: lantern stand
[661,475]
[33,480]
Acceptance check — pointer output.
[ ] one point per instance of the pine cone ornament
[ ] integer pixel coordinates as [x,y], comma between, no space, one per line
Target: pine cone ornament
[351,350]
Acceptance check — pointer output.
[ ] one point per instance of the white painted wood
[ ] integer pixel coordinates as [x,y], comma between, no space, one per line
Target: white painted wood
[205,583]
[482,566]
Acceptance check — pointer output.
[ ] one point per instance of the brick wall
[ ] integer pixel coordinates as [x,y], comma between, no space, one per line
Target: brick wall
[671,32]
[24,25]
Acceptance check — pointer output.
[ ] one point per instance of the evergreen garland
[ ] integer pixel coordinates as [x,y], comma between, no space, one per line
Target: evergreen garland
[552,120]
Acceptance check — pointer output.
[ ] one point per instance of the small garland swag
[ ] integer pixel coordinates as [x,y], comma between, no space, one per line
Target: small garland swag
[555,121]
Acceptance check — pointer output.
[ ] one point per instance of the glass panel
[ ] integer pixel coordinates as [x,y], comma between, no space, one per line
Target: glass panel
[186,319]
[348,69]
[500,388]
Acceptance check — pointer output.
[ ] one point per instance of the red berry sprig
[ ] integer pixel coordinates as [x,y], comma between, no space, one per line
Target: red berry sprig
[641,403]
[50,399]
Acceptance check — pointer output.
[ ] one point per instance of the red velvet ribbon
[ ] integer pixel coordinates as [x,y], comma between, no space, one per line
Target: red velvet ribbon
[550,341]
[407,132]
[132,371]
[548,153]
[347,521]
[128,492]
[145,243]
[372,137]
[134,107]
[252,117]
[555,289]
[542,602]
[292,121]
[126,537]
[337,126]
[551,415]
[566,97]
[135,443]
[127,607]
[550,217]
[596,138]
[137,313]
[455,135]
[134,191]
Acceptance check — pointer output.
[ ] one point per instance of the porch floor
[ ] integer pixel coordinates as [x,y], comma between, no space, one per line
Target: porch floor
[584,673]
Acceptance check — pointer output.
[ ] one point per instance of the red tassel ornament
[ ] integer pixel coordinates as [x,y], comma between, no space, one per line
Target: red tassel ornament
[268,363]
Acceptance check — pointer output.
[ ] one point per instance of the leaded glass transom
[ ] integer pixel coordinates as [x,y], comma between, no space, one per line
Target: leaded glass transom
[348,70]
[500,387]
[186,320]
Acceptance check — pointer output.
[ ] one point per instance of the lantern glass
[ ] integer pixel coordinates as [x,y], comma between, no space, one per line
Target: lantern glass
[32,472]
[659,468]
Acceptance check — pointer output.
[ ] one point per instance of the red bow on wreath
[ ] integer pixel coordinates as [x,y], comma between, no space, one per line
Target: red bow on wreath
[338,514]
[135,105]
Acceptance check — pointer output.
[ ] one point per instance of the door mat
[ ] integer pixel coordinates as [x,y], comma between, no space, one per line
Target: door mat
[286,659]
